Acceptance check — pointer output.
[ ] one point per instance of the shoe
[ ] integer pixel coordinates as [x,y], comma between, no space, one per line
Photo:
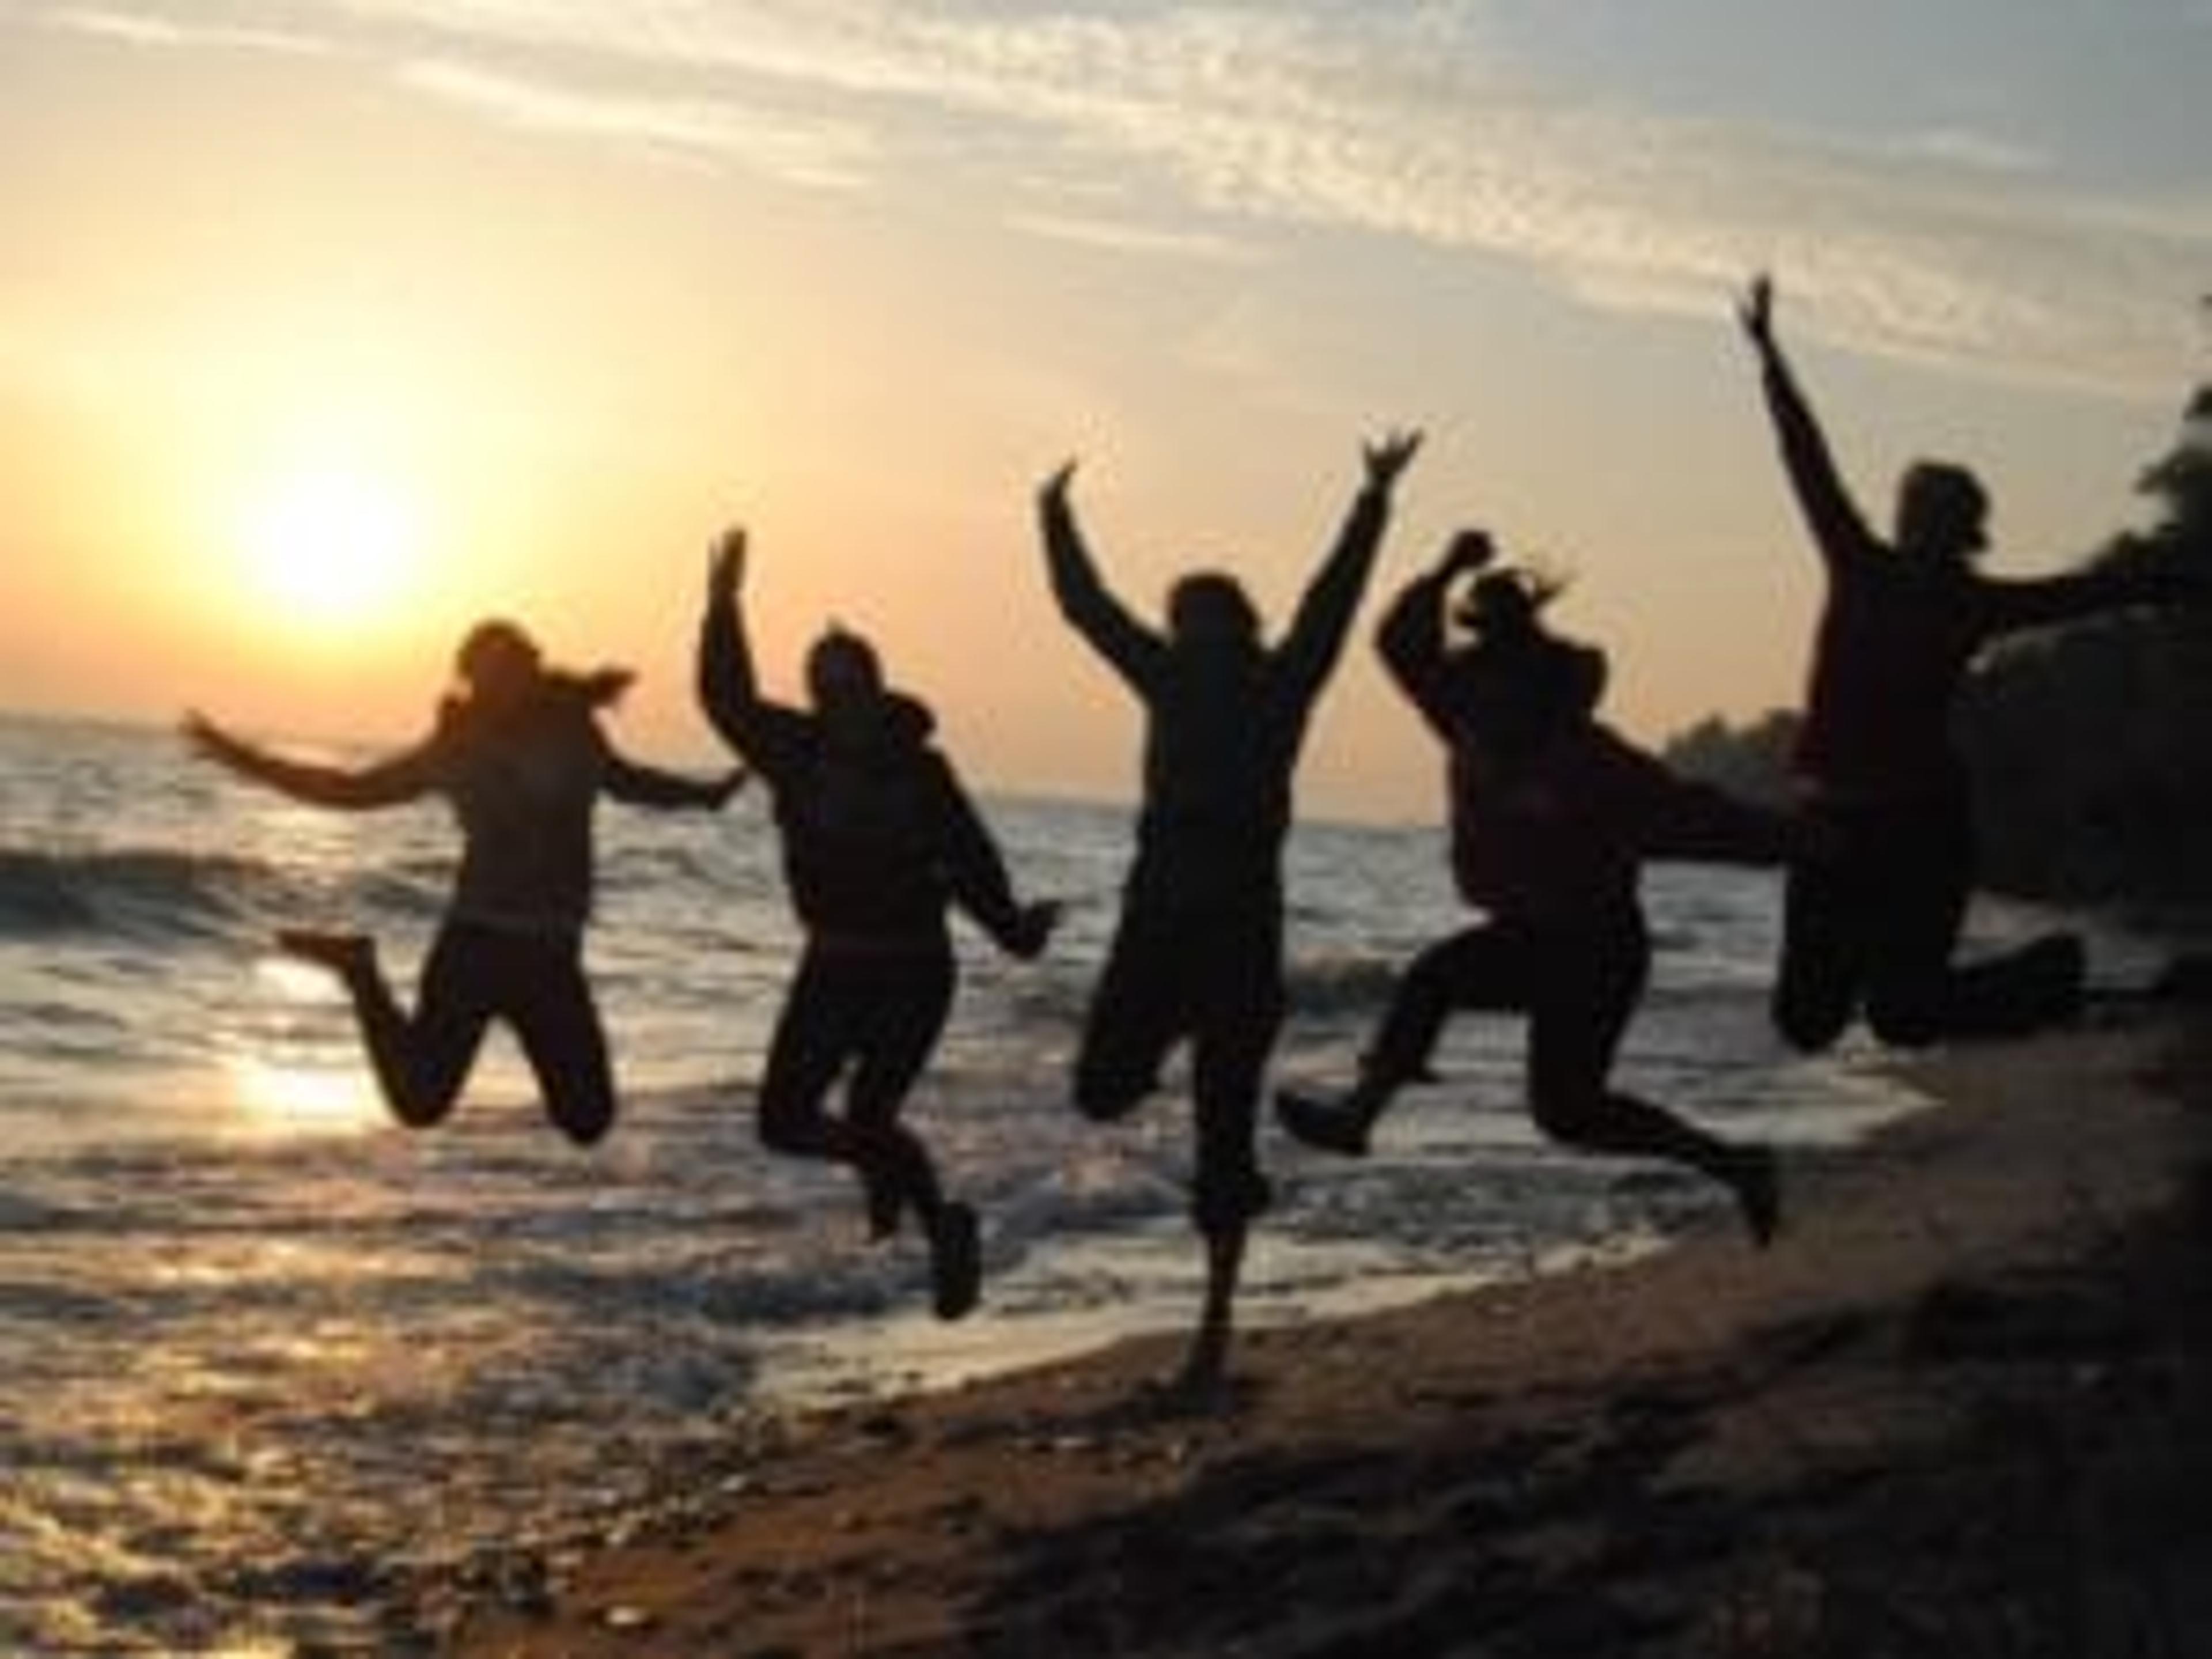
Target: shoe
[346,955]
[1331,1126]
[1758,1186]
[956,1261]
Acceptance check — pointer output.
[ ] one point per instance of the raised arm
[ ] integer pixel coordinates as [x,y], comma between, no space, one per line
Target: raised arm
[1838,529]
[1134,650]
[1317,632]
[391,782]
[763,733]
[1410,638]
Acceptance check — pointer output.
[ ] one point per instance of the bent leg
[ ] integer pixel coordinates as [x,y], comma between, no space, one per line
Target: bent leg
[816,1034]
[2032,987]
[895,1039]
[1589,988]
[1486,967]
[1136,1013]
[557,1024]
[1825,914]
[421,1062]
[1482,967]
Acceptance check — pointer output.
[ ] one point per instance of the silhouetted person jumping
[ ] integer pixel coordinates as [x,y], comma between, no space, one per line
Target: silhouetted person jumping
[1198,951]
[1553,816]
[519,755]
[879,839]
[1873,927]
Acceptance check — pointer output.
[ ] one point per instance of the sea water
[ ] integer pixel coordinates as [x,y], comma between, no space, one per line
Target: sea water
[268,1358]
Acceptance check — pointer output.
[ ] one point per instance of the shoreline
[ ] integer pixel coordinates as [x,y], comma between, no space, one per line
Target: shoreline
[1984,1318]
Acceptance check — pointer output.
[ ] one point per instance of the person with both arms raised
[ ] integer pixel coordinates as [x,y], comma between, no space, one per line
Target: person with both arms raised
[1198,951]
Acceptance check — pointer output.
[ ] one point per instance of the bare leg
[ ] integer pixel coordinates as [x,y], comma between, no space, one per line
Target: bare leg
[1205,1365]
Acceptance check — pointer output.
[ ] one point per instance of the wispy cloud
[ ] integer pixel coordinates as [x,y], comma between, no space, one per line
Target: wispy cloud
[1401,122]
[1122,236]
[146,29]
[823,154]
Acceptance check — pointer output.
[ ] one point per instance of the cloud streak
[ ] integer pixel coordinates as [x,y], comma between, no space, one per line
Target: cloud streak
[148,30]
[819,154]
[1406,123]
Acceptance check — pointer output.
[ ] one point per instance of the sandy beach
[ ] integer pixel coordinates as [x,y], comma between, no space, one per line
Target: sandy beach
[1960,1407]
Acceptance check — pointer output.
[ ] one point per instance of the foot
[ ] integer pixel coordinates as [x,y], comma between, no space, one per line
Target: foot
[956,1261]
[347,955]
[1331,1126]
[1758,1184]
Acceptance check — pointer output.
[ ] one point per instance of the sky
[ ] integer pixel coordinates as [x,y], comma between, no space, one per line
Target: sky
[330,326]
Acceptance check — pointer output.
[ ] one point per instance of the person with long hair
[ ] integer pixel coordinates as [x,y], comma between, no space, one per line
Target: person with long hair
[880,839]
[1552,816]
[1198,950]
[518,754]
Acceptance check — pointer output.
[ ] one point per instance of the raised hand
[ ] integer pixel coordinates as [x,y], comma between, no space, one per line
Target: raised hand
[1466,552]
[1755,311]
[725,566]
[1053,492]
[207,740]
[1386,459]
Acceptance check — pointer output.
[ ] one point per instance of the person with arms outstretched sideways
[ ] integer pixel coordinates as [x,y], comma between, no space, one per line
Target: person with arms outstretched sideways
[518,753]
[1198,950]
[1553,816]
[1873,927]
[879,838]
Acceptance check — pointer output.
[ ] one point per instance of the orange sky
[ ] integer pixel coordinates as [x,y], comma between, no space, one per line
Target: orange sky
[320,337]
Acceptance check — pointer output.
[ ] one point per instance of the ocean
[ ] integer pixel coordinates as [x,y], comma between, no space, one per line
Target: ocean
[271,1360]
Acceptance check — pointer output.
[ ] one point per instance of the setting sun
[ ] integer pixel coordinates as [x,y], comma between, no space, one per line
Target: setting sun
[331,544]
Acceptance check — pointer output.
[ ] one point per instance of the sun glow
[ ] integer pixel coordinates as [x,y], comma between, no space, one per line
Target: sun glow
[331,544]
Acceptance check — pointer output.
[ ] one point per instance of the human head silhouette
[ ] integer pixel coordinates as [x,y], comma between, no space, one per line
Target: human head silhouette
[1209,610]
[1942,512]
[844,677]
[498,662]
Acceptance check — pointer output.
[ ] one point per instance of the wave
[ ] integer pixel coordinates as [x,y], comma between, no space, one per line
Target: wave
[148,895]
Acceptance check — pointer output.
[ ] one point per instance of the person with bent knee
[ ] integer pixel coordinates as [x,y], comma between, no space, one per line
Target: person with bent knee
[518,754]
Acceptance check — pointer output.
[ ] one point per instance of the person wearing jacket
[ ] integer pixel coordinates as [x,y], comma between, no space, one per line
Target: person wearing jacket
[879,839]
[1552,817]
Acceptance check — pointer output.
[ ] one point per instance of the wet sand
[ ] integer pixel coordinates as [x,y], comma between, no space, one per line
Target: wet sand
[1963,1406]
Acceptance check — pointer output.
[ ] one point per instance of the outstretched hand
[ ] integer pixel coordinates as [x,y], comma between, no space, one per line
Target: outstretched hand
[207,740]
[1755,311]
[725,565]
[1387,457]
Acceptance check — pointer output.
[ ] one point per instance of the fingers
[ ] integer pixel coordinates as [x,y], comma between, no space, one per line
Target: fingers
[1388,457]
